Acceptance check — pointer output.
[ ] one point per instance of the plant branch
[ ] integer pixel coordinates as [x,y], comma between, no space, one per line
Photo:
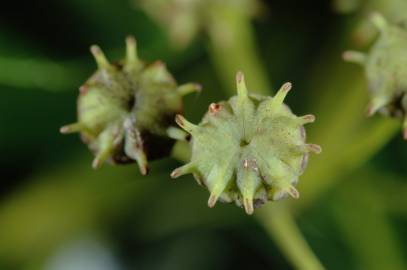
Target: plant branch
[279,223]
[361,217]
[232,48]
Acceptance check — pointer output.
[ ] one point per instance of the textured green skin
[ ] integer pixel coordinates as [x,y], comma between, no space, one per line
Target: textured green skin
[225,139]
[125,109]
[114,95]
[386,69]
[247,150]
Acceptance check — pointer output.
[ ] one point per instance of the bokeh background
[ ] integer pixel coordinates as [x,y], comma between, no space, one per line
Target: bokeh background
[56,213]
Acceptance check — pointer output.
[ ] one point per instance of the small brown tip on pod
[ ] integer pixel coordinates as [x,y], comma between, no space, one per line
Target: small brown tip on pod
[99,56]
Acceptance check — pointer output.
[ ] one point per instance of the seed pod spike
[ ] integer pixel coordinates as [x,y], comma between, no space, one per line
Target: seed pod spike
[106,142]
[315,148]
[241,86]
[187,168]
[72,128]
[379,21]
[135,150]
[134,147]
[278,99]
[177,134]
[307,148]
[185,124]
[217,179]
[100,57]
[188,88]
[248,205]
[282,189]
[100,158]
[103,154]
[141,159]
[248,183]
[306,119]
[131,51]
[376,104]
[213,198]
[293,192]
[354,57]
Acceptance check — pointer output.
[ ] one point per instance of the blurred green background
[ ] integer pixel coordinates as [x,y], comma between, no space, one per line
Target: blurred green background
[56,213]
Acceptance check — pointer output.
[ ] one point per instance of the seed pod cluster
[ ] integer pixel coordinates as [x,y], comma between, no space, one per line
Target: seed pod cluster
[248,149]
[126,109]
[386,70]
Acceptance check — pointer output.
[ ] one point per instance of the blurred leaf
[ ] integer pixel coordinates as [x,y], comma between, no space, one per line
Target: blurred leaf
[62,203]
[38,74]
[282,228]
[362,218]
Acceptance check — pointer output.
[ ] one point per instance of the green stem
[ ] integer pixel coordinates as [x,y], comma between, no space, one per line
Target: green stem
[56,76]
[393,192]
[232,48]
[389,186]
[279,223]
[342,160]
[37,73]
[347,137]
[362,218]
[230,56]
[59,204]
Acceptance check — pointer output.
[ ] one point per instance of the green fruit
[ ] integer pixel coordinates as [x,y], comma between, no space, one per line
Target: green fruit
[126,109]
[248,149]
[386,70]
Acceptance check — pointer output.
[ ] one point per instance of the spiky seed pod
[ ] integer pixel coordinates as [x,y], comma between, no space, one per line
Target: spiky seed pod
[386,70]
[248,149]
[126,109]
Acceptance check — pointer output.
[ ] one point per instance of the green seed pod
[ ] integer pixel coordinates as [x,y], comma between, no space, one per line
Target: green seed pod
[386,70]
[248,149]
[126,109]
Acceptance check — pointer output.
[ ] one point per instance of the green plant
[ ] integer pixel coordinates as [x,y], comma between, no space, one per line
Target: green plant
[125,109]
[385,70]
[248,149]
[351,206]
[229,148]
